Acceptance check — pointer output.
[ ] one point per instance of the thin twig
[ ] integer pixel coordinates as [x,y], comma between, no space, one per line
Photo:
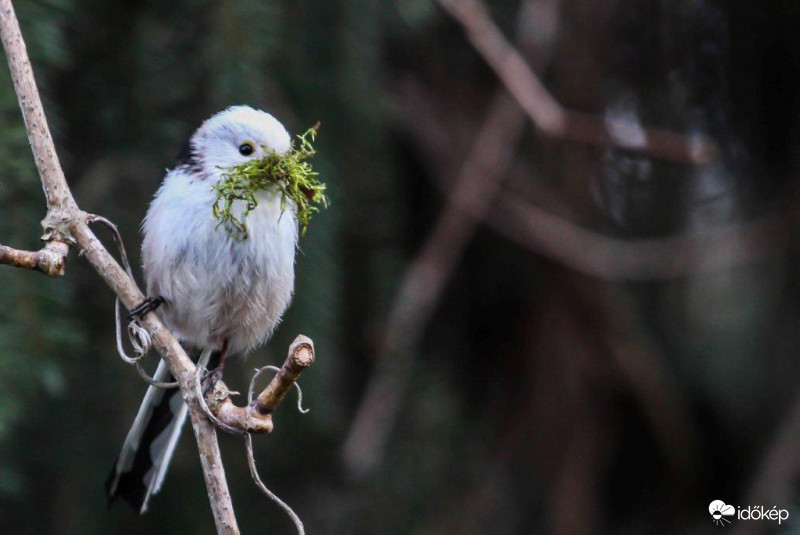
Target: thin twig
[251,463]
[301,355]
[554,120]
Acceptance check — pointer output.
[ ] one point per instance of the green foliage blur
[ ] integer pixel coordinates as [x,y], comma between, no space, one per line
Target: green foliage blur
[543,398]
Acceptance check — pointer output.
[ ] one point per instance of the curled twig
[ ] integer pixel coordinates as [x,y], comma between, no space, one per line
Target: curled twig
[152,380]
[251,462]
[256,416]
[258,372]
[248,442]
[138,336]
[94,218]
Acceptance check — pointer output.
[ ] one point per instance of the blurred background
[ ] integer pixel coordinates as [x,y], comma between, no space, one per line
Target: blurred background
[520,328]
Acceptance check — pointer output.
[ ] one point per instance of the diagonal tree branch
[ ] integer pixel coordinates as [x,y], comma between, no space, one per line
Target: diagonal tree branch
[65,225]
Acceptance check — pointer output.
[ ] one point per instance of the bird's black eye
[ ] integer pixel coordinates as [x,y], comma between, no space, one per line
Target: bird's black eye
[246,148]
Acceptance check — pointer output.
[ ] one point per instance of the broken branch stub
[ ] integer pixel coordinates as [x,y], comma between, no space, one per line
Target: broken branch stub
[256,417]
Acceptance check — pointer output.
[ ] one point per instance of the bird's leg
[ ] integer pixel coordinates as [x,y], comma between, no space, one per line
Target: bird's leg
[148,305]
[216,373]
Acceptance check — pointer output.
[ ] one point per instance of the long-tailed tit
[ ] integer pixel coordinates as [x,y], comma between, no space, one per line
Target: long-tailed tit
[220,296]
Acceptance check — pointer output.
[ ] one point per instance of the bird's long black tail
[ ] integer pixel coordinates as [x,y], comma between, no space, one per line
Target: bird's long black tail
[145,456]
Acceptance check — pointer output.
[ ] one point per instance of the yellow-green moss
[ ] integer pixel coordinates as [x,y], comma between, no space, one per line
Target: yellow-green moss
[290,174]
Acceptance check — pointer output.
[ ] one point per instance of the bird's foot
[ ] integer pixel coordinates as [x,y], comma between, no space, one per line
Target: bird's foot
[212,377]
[148,305]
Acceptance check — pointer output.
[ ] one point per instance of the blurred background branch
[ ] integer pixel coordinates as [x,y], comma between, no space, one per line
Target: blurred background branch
[550,117]
[468,200]
[542,225]
[476,196]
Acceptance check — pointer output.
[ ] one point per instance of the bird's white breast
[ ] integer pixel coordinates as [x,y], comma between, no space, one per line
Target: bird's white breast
[215,287]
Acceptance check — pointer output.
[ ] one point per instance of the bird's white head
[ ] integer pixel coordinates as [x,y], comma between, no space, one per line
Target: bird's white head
[232,137]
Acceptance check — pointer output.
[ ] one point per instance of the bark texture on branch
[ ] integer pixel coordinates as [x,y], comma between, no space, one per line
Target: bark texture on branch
[257,416]
[66,224]
[50,260]
[301,356]
[181,366]
[60,203]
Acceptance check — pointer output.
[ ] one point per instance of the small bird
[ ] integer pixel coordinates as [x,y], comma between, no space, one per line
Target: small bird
[219,295]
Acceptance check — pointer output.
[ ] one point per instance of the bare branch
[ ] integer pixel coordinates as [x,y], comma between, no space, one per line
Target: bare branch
[50,260]
[56,190]
[256,417]
[301,356]
[65,222]
[549,116]
[65,225]
[180,365]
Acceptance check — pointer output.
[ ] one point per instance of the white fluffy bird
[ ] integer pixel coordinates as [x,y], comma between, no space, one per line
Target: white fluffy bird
[220,296]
